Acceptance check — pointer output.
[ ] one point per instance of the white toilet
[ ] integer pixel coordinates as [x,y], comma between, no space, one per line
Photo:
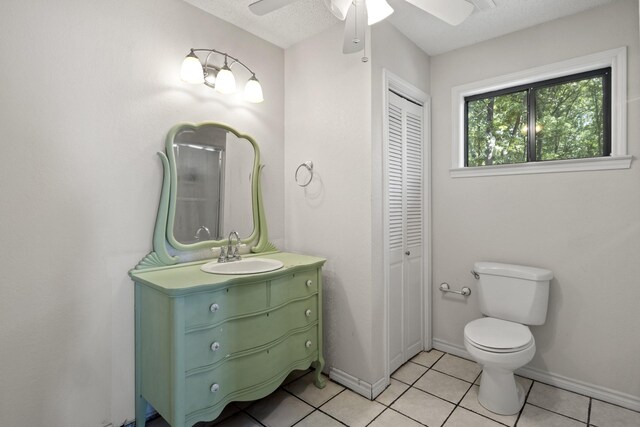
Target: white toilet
[512,296]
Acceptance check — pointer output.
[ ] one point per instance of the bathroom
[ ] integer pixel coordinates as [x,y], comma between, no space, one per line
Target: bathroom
[91,90]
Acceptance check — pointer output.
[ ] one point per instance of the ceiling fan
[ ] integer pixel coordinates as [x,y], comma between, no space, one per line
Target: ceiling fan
[356,12]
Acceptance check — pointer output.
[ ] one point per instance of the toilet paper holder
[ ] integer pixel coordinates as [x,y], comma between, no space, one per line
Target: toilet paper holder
[444,287]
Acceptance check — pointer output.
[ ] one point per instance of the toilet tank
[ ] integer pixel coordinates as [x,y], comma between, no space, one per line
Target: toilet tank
[513,292]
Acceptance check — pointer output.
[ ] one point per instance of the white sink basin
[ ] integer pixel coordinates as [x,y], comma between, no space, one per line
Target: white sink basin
[244,266]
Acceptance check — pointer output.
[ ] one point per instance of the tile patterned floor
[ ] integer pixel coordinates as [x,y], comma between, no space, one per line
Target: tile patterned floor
[434,389]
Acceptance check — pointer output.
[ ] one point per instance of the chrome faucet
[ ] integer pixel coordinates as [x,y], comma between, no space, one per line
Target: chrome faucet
[202,228]
[233,252]
[230,253]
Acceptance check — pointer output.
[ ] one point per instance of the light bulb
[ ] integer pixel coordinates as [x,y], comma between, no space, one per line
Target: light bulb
[191,71]
[225,81]
[339,8]
[377,10]
[253,91]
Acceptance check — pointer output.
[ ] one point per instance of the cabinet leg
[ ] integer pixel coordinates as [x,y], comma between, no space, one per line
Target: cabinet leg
[141,411]
[318,365]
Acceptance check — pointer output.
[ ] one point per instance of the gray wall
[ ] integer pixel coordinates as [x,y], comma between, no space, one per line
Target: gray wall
[339,215]
[89,91]
[328,121]
[584,226]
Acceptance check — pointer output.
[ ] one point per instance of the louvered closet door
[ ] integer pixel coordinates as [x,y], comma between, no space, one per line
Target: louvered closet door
[404,161]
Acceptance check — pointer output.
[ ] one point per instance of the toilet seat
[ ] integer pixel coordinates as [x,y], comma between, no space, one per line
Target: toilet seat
[498,336]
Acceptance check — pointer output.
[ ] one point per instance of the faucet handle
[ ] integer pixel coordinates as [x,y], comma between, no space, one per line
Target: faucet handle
[223,254]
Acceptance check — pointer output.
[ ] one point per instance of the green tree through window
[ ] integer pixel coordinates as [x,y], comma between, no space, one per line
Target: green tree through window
[570,117]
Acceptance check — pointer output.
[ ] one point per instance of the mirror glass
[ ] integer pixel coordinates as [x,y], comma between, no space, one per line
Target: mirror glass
[214,184]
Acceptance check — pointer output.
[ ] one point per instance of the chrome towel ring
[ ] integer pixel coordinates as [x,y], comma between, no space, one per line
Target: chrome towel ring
[308,165]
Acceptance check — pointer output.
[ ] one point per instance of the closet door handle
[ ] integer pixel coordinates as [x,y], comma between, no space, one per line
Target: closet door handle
[407,253]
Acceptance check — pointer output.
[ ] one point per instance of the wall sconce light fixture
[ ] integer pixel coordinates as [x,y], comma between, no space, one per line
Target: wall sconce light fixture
[220,78]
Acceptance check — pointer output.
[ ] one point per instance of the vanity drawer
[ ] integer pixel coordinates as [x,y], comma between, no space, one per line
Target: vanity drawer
[213,307]
[208,346]
[244,373]
[293,286]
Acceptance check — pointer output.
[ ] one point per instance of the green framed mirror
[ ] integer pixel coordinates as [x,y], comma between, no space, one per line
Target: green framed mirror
[211,188]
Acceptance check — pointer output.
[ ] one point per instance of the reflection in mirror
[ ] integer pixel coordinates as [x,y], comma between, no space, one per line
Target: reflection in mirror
[214,188]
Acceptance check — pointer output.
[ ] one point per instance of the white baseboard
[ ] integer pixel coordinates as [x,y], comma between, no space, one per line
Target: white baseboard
[454,349]
[577,386]
[361,387]
[378,387]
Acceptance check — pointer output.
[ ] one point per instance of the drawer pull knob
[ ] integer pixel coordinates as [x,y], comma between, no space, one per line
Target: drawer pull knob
[308,313]
[307,344]
[215,346]
[214,307]
[214,388]
[309,283]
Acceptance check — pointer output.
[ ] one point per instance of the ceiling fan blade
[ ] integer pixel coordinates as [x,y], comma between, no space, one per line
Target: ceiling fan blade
[339,8]
[354,28]
[453,12]
[262,7]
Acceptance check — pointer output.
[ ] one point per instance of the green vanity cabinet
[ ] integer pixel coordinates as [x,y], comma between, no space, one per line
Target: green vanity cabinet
[204,340]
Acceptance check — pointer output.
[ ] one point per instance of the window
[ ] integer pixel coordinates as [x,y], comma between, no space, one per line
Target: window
[562,117]
[557,119]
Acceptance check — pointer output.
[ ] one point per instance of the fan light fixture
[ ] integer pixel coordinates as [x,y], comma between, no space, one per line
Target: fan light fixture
[220,78]
[377,10]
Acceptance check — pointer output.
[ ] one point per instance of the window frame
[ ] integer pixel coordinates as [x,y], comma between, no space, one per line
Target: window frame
[615,59]
[531,150]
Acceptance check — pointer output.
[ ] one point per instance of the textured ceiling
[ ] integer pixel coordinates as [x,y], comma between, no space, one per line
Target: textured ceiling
[283,27]
[304,18]
[435,37]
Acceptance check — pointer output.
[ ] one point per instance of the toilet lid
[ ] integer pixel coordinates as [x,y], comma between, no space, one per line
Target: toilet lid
[498,335]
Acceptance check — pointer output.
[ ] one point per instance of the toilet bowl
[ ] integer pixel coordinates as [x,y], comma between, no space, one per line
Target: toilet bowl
[511,296]
[500,347]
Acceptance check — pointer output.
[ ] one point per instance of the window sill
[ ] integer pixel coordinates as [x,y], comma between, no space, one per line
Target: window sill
[574,165]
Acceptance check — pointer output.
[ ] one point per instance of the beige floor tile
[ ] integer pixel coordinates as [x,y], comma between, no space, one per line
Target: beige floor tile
[409,372]
[524,382]
[423,407]
[158,422]
[607,415]
[314,396]
[279,409]
[464,418]
[294,375]
[318,419]
[352,409]
[244,405]
[392,418]
[391,393]
[561,401]
[239,420]
[532,416]
[458,367]
[427,358]
[470,401]
[442,385]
